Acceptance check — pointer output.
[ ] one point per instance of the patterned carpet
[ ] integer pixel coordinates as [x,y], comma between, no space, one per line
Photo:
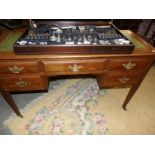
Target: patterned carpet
[72,108]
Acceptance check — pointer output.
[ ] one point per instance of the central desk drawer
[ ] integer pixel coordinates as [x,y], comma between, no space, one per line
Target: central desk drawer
[22,83]
[75,66]
[127,64]
[15,67]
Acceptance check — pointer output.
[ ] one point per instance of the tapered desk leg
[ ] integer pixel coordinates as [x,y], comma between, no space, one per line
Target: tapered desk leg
[6,95]
[134,88]
[132,91]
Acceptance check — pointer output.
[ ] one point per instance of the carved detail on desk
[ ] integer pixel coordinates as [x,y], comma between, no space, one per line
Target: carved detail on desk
[15,69]
[22,83]
[129,65]
[75,67]
[124,80]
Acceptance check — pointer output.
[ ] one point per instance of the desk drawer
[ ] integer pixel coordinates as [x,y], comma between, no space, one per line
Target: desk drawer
[75,66]
[22,83]
[118,78]
[14,67]
[127,64]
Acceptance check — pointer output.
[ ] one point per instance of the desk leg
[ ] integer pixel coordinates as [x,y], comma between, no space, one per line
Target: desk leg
[134,88]
[6,95]
[132,91]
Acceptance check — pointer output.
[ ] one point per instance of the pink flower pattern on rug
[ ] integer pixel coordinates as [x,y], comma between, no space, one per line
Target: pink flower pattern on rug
[70,113]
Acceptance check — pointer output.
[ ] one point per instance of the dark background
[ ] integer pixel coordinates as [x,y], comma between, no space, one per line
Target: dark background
[143,27]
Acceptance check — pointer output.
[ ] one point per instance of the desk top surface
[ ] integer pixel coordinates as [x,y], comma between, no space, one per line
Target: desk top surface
[7,39]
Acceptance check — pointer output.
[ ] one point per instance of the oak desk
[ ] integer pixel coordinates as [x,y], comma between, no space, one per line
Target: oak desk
[32,72]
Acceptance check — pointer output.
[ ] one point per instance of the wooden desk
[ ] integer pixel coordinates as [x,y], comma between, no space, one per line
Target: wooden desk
[31,72]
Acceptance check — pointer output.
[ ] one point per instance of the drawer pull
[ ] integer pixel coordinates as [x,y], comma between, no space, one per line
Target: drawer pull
[124,79]
[129,65]
[21,83]
[75,67]
[15,69]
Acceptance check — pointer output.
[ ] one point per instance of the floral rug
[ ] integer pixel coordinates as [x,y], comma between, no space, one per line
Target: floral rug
[71,108]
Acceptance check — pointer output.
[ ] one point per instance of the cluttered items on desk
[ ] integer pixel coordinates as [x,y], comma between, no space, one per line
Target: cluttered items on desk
[72,37]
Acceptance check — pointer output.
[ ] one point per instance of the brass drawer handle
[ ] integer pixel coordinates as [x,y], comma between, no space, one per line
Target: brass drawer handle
[75,67]
[15,69]
[21,83]
[124,79]
[129,65]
